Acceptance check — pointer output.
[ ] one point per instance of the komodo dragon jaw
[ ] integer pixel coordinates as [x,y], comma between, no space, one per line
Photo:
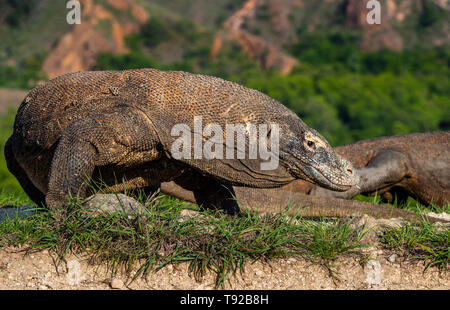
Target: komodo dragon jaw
[317,162]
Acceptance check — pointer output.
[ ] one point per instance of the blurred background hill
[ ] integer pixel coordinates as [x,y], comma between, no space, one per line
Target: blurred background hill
[345,78]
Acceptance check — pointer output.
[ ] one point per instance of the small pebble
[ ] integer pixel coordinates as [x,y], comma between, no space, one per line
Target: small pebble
[392,258]
[117,284]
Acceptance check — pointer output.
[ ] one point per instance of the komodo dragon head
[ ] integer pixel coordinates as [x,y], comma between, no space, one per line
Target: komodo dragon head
[308,155]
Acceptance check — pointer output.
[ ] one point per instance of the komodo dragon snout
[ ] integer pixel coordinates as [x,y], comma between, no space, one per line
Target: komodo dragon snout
[316,161]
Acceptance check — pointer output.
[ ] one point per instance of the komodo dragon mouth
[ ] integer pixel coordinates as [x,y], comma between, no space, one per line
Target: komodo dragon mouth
[329,180]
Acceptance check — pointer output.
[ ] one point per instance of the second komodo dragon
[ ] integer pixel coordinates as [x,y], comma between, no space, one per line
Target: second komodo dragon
[396,167]
[115,127]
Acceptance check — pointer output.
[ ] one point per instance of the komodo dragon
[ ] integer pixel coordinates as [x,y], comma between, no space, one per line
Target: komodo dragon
[115,127]
[416,165]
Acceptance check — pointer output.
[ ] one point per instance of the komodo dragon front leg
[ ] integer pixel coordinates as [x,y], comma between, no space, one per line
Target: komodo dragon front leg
[386,168]
[121,138]
[207,192]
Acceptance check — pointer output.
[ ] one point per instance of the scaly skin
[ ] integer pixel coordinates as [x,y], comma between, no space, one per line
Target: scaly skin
[115,127]
[416,165]
[275,200]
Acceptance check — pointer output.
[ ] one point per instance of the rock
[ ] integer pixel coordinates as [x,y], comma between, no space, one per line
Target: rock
[392,258]
[371,225]
[117,284]
[73,276]
[371,222]
[110,203]
[444,216]
[291,260]
[259,273]
[186,214]
[77,49]
[268,54]
[375,273]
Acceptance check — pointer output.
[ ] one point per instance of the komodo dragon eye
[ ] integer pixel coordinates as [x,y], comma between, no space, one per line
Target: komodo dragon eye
[311,144]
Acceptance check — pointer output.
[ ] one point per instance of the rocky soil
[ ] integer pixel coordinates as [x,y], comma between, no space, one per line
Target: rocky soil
[373,267]
[385,270]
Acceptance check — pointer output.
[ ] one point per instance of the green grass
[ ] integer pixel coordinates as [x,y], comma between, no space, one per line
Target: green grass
[411,204]
[14,199]
[8,183]
[423,242]
[210,241]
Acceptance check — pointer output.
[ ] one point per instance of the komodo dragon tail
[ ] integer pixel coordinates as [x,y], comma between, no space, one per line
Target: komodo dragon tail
[276,200]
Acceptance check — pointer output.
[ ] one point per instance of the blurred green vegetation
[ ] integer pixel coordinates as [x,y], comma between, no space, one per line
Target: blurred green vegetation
[345,93]
[24,74]
[14,11]
[8,183]
[431,14]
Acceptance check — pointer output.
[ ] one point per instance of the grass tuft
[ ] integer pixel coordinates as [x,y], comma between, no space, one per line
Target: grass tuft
[210,241]
[425,242]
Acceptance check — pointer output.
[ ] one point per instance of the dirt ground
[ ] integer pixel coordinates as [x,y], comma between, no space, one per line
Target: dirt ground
[370,267]
[384,270]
